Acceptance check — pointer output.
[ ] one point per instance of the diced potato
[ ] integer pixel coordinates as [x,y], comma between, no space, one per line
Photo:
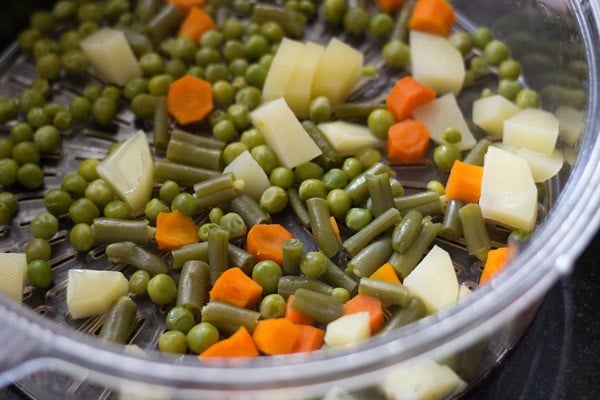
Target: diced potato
[91,292]
[422,380]
[129,170]
[531,129]
[571,122]
[298,91]
[111,56]
[435,63]
[543,167]
[508,192]
[284,133]
[246,168]
[441,114]
[434,281]
[339,68]
[347,330]
[13,274]
[463,291]
[287,58]
[489,113]
[347,138]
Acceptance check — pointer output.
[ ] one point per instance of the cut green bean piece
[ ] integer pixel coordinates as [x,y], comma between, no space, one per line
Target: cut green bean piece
[476,154]
[196,156]
[400,31]
[414,310]
[329,157]
[192,290]
[474,230]
[380,192]
[140,44]
[407,231]
[185,175]
[132,254]
[228,318]
[415,200]
[451,226]
[320,225]
[161,123]
[373,256]
[288,284]
[197,140]
[250,211]
[241,258]
[292,22]
[194,251]
[405,262]
[167,19]
[218,252]
[337,278]
[298,207]
[119,321]
[387,292]
[361,239]
[111,230]
[213,185]
[292,253]
[355,111]
[317,306]
[146,9]
[217,198]
[357,188]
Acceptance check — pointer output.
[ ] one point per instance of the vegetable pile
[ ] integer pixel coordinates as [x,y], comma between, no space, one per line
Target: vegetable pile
[244,127]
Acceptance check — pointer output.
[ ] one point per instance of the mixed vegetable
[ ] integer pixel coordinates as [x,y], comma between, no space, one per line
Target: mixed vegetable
[205,218]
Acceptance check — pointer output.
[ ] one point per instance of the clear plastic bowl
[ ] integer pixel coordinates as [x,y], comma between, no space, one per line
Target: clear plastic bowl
[553,38]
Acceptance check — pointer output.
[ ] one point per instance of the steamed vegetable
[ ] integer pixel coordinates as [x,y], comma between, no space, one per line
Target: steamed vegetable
[433,16]
[347,137]
[189,99]
[531,129]
[298,92]
[174,230]
[13,274]
[91,292]
[407,142]
[245,168]
[489,113]
[288,57]
[265,241]
[406,95]
[347,330]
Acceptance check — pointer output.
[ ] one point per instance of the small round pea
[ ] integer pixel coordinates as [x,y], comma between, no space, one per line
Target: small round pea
[87,169]
[486,92]
[255,75]
[509,69]
[57,201]
[48,66]
[379,122]
[37,117]
[319,109]
[172,342]
[380,24]
[162,289]
[222,92]
[21,132]
[232,150]
[232,50]
[153,208]
[74,184]
[352,167]
[239,115]
[495,52]
[152,64]
[478,65]
[6,147]
[436,187]
[158,85]
[340,293]
[197,71]
[313,264]
[339,202]
[143,105]
[481,37]
[37,249]
[138,282]
[308,170]
[357,218]
[461,41]
[81,237]
[333,10]
[444,156]
[201,336]
[47,139]
[234,224]
[282,177]
[452,135]
[238,66]
[207,55]
[205,228]
[215,214]
[216,72]
[272,31]
[92,92]
[356,20]
[252,138]
[134,87]
[519,236]
[186,203]
[180,318]
[4,214]
[29,98]
[265,157]
[62,121]
[74,61]
[274,199]
[27,38]
[256,46]
[9,109]
[396,54]
[39,273]
[368,157]
[30,176]
[272,306]
[117,209]
[10,201]
[335,178]
[8,172]
[250,96]
[224,130]
[43,226]
[104,110]
[267,273]
[211,38]
[183,49]
[26,152]
[80,108]
[509,88]
[83,210]
[527,98]
[168,191]
[312,188]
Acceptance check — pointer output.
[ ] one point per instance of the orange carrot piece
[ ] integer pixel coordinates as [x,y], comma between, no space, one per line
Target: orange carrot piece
[464,182]
[406,95]
[373,306]
[240,344]
[265,241]
[407,141]
[175,229]
[233,286]
[433,16]
[275,336]
[294,315]
[389,5]
[186,5]
[496,260]
[195,24]
[335,228]
[310,338]
[386,273]
[189,99]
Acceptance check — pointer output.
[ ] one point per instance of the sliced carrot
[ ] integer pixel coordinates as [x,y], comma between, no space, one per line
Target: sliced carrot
[275,336]
[335,228]
[310,338]
[406,95]
[389,5]
[195,24]
[464,182]
[373,306]
[186,5]
[294,315]
[233,286]
[175,229]
[386,273]
[496,260]
[189,99]
[433,16]
[407,142]
[265,241]
[240,344]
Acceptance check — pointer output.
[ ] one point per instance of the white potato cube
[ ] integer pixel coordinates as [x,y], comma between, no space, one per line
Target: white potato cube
[91,292]
[542,166]
[571,122]
[489,113]
[508,191]
[246,168]
[347,330]
[347,138]
[286,59]
[13,274]
[531,129]
[298,91]
[463,291]
[435,63]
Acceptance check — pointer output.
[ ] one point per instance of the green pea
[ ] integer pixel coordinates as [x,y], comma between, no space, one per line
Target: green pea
[215,214]
[312,188]
[57,201]
[333,10]
[43,226]
[29,98]
[37,249]
[232,150]
[138,282]
[162,289]
[495,52]
[232,50]
[197,71]
[481,37]
[519,236]
[205,228]
[368,157]
[239,115]
[356,20]
[256,46]
[272,31]
[21,132]
[335,178]
[172,342]
[6,147]
[478,65]
[341,294]
[216,116]
[48,66]
[380,121]
[179,318]
[92,92]
[267,273]
[104,110]
[9,109]
[509,88]
[444,156]
[527,98]
[74,61]
[152,64]
[201,337]
[62,121]
[158,85]
[339,202]
[4,214]
[452,135]
[436,187]
[249,96]
[183,49]
[83,210]
[380,24]
[216,72]
[274,199]
[319,109]
[222,92]
[265,157]
[143,105]
[509,69]
[39,273]
[234,224]
[80,108]
[308,170]
[357,218]
[313,264]
[282,177]
[224,130]
[28,37]
[252,138]
[26,152]
[396,53]
[64,9]
[168,191]
[486,92]
[461,41]
[90,12]
[238,67]
[117,209]
[212,38]
[87,169]
[255,75]
[47,138]
[134,87]
[30,176]
[8,172]
[11,201]
[37,117]
[352,167]
[112,92]
[272,306]
[186,203]
[153,208]
[74,184]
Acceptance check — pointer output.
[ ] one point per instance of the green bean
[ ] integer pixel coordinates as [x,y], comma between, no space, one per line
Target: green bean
[387,292]
[292,22]
[317,306]
[320,225]
[400,30]
[119,321]
[131,254]
[185,175]
[474,230]
[218,252]
[250,210]
[407,231]
[357,188]
[475,155]
[298,207]
[356,111]
[140,44]
[289,284]
[451,226]
[229,318]
[337,278]
[373,256]
[292,253]
[405,262]
[414,310]
[427,203]
[110,230]
[161,123]
[165,20]
[361,239]
[189,252]
[241,258]
[214,185]
[182,152]
[329,157]
[192,290]
[380,193]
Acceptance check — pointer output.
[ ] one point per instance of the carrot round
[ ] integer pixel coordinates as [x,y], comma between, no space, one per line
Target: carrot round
[464,182]
[373,306]
[275,336]
[233,286]
[406,95]
[310,338]
[189,99]
[496,260]
[407,142]
[386,273]
[265,241]
[433,16]
[296,316]
[240,344]
[195,24]
[175,229]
